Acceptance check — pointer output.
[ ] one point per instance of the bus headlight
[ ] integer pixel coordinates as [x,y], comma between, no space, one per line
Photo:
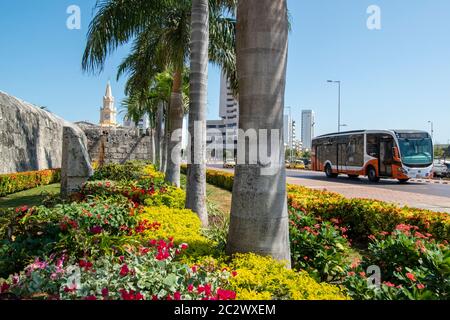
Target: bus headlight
[402,170]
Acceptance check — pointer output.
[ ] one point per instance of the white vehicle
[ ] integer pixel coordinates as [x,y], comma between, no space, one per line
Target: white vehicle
[440,170]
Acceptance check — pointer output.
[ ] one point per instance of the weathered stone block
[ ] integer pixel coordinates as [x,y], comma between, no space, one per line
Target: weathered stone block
[76,165]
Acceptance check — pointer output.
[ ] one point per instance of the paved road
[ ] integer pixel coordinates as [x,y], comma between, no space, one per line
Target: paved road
[414,194]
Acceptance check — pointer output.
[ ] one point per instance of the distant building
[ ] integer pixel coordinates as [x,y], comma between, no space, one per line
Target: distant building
[143,123]
[108,113]
[225,129]
[308,122]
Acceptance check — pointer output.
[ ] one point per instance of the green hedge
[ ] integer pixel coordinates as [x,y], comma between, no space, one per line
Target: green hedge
[15,182]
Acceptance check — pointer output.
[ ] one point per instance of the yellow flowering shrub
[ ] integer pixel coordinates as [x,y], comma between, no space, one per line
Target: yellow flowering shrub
[181,224]
[171,197]
[264,278]
[150,171]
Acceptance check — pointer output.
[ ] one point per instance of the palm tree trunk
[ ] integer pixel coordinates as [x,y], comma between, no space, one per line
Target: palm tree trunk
[259,217]
[175,131]
[153,144]
[159,134]
[196,174]
[165,141]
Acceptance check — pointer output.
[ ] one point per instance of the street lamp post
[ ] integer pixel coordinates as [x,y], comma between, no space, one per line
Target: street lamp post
[290,134]
[339,101]
[432,129]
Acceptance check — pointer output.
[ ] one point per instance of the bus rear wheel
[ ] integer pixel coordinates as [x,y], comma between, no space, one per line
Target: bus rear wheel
[372,175]
[329,172]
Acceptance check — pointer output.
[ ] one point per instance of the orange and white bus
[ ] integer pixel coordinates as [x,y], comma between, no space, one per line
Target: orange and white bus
[397,154]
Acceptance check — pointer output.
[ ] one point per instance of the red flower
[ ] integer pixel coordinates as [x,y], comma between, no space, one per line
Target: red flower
[4,287]
[351,273]
[105,292]
[194,269]
[420,286]
[184,246]
[389,284]
[411,277]
[177,295]
[190,288]
[225,294]
[154,298]
[372,237]
[90,298]
[96,230]
[124,270]
[169,298]
[362,274]
[234,274]
[139,296]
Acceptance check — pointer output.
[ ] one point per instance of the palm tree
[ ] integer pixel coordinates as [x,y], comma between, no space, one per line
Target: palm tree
[196,173]
[259,217]
[161,33]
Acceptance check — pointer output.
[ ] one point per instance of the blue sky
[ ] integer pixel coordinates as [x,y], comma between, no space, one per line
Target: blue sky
[396,77]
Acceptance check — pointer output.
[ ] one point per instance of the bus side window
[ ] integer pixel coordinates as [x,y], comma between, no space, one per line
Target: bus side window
[372,146]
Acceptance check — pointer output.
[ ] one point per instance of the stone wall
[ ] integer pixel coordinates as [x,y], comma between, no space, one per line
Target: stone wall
[30,138]
[116,145]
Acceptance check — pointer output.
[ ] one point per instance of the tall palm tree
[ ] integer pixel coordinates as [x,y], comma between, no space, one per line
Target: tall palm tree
[161,33]
[196,173]
[259,217]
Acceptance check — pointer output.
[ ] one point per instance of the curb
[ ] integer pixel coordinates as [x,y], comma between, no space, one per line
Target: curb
[429,181]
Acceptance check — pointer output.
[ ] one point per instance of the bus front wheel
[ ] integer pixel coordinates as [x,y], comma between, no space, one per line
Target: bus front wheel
[372,175]
[329,172]
[403,181]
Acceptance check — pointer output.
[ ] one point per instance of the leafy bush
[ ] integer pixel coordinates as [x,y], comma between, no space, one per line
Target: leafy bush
[321,248]
[413,266]
[140,192]
[24,234]
[131,170]
[264,278]
[11,183]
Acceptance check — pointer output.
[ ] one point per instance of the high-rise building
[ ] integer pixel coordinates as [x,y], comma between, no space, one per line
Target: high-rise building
[229,125]
[308,123]
[108,112]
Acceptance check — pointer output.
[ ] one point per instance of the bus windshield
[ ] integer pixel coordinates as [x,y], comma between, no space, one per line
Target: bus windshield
[416,151]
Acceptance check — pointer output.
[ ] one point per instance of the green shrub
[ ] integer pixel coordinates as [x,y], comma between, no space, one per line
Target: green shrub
[24,234]
[15,182]
[131,170]
[413,267]
[320,248]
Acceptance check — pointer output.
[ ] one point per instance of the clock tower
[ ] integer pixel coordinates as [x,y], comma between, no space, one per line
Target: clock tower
[108,113]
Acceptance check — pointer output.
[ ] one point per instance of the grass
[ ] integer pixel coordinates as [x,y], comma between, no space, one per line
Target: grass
[31,197]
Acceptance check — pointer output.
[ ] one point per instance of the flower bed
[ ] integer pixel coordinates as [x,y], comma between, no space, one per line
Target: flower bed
[15,182]
[409,246]
[107,245]
[366,217]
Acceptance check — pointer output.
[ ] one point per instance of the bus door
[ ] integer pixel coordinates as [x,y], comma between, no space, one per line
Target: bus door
[386,156]
[342,157]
